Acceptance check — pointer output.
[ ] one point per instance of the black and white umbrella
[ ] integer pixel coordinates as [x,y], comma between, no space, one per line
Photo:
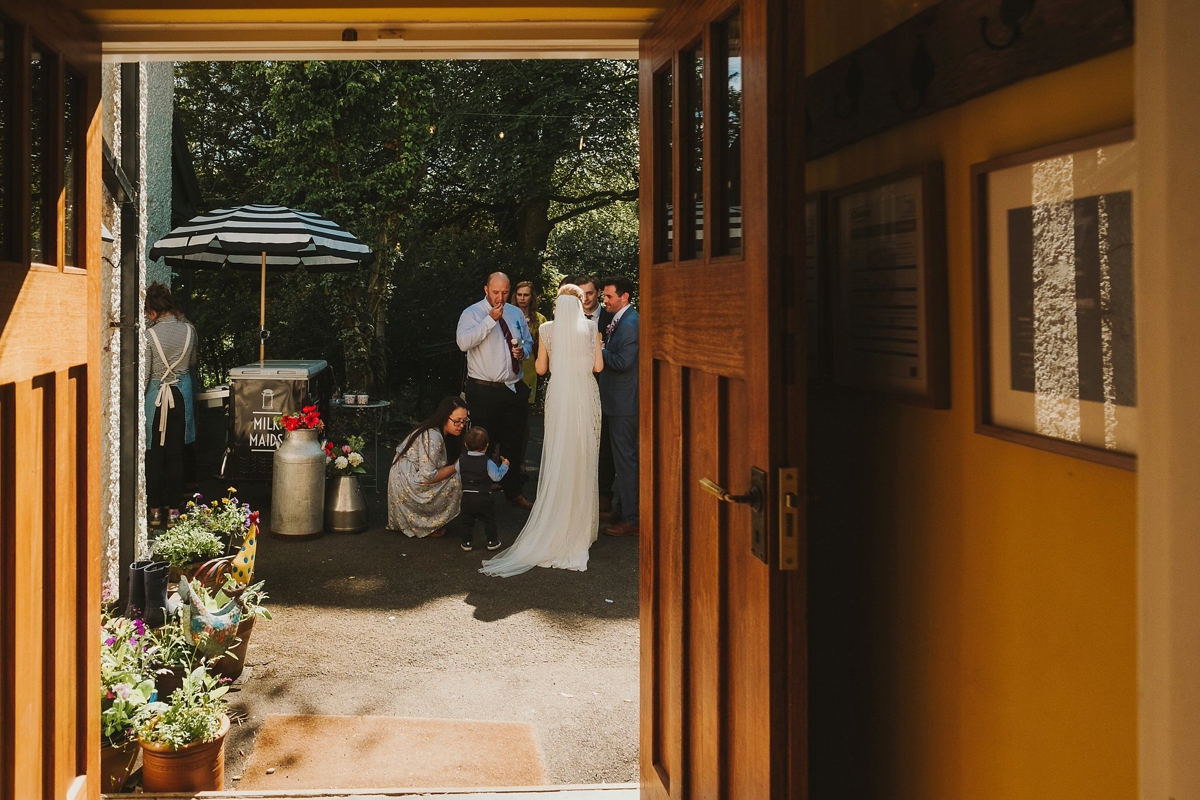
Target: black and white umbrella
[261,238]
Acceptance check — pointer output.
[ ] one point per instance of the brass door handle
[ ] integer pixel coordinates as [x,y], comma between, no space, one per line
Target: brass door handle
[752,498]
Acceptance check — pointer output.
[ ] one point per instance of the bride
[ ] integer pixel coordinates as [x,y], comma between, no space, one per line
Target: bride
[565,516]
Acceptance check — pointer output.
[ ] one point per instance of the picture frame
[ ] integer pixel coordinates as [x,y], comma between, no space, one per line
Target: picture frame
[890,316]
[1052,251]
[816,285]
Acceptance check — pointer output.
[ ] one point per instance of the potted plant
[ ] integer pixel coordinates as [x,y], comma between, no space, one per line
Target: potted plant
[345,505]
[126,687]
[174,654]
[183,739]
[188,544]
[230,664]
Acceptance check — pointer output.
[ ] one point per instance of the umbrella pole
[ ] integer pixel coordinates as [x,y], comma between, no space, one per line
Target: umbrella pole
[262,312]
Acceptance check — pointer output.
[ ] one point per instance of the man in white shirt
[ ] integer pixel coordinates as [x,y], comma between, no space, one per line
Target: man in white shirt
[496,339]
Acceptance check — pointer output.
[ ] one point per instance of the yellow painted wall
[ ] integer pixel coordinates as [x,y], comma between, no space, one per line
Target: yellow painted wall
[993,611]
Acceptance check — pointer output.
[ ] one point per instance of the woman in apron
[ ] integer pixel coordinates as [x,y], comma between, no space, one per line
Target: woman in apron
[170,351]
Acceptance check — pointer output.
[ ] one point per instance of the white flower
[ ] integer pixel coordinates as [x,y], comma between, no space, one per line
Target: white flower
[355,459]
[341,462]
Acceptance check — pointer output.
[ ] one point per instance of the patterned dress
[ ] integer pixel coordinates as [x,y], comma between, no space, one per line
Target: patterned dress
[416,509]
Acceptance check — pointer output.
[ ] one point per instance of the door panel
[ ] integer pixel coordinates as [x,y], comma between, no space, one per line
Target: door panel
[723,677]
[49,405]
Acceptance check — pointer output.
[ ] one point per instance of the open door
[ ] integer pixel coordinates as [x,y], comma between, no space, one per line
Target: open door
[722,414]
[49,405]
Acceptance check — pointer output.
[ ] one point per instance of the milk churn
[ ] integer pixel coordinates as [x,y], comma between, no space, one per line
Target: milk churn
[298,488]
[345,505]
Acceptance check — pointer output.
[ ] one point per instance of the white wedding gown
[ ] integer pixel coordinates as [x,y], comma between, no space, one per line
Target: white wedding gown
[566,514]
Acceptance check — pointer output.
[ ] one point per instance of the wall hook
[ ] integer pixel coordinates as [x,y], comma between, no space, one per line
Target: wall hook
[855,81]
[1012,14]
[920,75]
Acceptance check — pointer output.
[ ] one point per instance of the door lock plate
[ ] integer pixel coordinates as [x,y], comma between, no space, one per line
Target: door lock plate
[790,505]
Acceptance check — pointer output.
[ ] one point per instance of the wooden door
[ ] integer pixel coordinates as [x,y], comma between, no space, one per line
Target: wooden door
[722,620]
[49,405]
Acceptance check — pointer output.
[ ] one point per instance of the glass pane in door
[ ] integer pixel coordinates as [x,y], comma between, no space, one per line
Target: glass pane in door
[692,67]
[72,112]
[664,156]
[5,111]
[729,141]
[39,73]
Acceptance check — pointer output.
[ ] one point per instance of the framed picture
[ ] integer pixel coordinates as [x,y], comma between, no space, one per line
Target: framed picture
[816,295]
[1055,338]
[890,318]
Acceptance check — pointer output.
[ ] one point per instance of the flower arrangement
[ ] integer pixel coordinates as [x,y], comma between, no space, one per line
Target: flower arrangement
[308,417]
[192,714]
[126,677]
[227,516]
[173,647]
[345,460]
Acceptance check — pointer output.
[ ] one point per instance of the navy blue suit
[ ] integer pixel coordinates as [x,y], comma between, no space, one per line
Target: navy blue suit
[619,403]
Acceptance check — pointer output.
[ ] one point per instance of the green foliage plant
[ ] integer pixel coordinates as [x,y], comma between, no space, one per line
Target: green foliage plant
[173,647]
[126,676]
[188,542]
[191,715]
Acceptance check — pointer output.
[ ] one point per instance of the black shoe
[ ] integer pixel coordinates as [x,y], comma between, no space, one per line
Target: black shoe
[155,580]
[494,544]
[137,589]
[467,547]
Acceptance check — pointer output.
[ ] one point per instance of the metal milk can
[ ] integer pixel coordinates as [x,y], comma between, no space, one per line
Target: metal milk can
[345,505]
[298,486]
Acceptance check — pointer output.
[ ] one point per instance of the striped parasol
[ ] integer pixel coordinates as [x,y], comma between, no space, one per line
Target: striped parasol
[261,238]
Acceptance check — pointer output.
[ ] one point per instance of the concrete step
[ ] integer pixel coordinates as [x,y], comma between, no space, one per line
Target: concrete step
[608,791]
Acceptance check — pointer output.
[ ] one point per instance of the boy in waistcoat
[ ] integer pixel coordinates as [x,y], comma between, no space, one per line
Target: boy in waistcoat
[478,473]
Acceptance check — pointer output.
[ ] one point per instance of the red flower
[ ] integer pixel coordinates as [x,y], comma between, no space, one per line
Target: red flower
[291,423]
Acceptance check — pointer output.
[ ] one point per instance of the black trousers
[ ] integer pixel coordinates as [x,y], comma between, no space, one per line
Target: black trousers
[608,470]
[477,506]
[164,462]
[503,413]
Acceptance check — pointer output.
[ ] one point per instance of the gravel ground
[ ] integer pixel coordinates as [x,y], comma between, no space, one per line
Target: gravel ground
[380,624]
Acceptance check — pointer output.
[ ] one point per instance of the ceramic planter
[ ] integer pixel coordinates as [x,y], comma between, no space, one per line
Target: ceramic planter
[231,668]
[198,767]
[298,486]
[345,505]
[116,764]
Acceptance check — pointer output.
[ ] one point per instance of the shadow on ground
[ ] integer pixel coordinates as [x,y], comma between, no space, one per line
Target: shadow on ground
[381,624]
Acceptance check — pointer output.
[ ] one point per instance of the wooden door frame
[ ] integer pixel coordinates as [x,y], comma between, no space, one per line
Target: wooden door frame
[785,401]
[49,406]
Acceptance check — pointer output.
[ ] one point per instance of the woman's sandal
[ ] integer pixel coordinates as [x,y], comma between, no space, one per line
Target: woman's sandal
[437,533]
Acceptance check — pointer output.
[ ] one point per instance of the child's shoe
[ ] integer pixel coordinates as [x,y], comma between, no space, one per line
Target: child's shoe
[467,546]
[493,544]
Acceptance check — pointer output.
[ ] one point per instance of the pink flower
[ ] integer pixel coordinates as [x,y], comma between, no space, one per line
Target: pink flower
[346,449]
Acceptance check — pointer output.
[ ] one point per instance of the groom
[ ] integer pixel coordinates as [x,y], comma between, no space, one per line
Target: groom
[619,397]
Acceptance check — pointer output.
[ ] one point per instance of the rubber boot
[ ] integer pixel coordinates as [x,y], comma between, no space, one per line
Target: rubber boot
[155,575]
[137,589]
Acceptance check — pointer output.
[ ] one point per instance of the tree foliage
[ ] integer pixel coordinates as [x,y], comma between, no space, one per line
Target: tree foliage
[449,170]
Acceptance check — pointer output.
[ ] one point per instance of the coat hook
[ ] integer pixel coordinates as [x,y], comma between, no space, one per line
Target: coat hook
[1012,14]
[854,89]
[920,76]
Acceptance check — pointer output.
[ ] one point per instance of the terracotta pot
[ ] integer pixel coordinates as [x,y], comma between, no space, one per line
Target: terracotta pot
[231,668]
[116,764]
[198,767]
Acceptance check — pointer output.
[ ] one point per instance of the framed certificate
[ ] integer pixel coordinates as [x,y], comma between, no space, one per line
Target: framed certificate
[890,317]
[1055,338]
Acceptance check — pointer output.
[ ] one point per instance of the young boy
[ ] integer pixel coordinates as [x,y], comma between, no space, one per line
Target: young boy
[478,473]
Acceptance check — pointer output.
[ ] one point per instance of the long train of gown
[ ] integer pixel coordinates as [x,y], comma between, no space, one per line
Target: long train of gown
[565,517]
